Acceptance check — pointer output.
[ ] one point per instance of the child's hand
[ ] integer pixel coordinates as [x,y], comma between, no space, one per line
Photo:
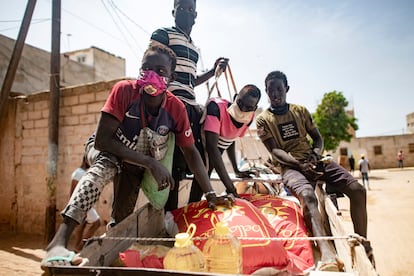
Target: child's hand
[221,64]
[214,200]
[309,170]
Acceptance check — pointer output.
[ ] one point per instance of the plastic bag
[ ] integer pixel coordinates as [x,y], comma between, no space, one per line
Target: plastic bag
[149,186]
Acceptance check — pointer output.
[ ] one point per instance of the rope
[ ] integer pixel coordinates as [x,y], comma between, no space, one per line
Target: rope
[217,75]
[231,78]
[352,239]
[352,242]
[228,85]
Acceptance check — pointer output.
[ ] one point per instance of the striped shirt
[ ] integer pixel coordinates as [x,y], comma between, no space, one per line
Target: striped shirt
[187,58]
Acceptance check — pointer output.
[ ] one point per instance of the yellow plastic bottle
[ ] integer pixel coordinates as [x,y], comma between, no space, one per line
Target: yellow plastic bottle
[223,251]
[185,256]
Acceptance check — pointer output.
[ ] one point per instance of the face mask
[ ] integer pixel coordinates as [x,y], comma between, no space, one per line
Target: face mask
[238,115]
[152,83]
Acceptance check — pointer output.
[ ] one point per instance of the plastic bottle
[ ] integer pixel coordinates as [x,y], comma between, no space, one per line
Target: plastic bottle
[185,255]
[223,251]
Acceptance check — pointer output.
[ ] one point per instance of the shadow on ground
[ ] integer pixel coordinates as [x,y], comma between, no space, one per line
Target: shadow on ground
[17,243]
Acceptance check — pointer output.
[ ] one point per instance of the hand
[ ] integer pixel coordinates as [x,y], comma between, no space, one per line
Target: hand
[309,170]
[221,64]
[232,191]
[214,200]
[315,156]
[161,175]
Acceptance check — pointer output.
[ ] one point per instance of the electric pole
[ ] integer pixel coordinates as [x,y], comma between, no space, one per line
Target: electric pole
[15,58]
[53,145]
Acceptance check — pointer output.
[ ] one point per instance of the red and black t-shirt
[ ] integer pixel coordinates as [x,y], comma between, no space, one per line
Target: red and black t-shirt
[124,103]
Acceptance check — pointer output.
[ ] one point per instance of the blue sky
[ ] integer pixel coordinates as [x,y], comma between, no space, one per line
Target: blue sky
[363,48]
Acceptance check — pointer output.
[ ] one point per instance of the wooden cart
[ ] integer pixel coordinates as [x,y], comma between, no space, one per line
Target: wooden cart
[148,222]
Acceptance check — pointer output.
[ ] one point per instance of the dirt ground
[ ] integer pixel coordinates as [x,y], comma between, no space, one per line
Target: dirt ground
[390,228]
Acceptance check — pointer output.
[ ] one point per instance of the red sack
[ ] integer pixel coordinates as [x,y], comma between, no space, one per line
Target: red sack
[131,258]
[244,220]
[148,256]
[286,218]
[152,261]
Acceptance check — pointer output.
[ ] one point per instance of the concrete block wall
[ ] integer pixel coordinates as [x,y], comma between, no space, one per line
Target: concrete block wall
[390,145]
[24,150]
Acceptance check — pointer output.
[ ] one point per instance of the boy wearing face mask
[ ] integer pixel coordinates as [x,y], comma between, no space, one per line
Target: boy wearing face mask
[179,40]
[224,123]
[131,107]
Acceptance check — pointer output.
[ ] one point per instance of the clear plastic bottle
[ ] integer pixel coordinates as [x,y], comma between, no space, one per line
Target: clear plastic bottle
[185,255]
[223,251]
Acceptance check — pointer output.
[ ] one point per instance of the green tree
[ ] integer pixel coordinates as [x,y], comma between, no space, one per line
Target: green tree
[333,121]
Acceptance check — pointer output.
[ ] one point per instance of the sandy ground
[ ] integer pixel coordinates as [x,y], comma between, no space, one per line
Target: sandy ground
[390,214]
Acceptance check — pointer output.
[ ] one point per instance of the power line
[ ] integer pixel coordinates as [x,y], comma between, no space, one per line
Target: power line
[119,29]
[17,27]
[127,17]
[92,25]
[127,29]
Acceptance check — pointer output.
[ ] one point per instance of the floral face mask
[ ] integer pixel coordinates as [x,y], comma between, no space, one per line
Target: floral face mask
[152,83]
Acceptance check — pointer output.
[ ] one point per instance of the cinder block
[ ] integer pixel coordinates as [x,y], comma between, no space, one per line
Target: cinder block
[42,123]
[94,107]
[80,109]
[70,100]
[87,98]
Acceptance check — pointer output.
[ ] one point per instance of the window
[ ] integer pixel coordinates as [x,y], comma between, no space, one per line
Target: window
[377,150]
[343,151]
[81,59]
[411,147]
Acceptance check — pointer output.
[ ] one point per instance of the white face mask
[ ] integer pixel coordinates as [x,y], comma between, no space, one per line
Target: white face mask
[238,115]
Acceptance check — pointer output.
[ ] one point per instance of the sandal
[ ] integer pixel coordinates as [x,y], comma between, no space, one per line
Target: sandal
[71,259]
[332,265]
[327,266]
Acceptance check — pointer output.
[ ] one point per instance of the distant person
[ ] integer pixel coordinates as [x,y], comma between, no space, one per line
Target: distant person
[400,159]
[92,222]
[284,129]
[364,168]
[179,40]
[351,161]
[224,123]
